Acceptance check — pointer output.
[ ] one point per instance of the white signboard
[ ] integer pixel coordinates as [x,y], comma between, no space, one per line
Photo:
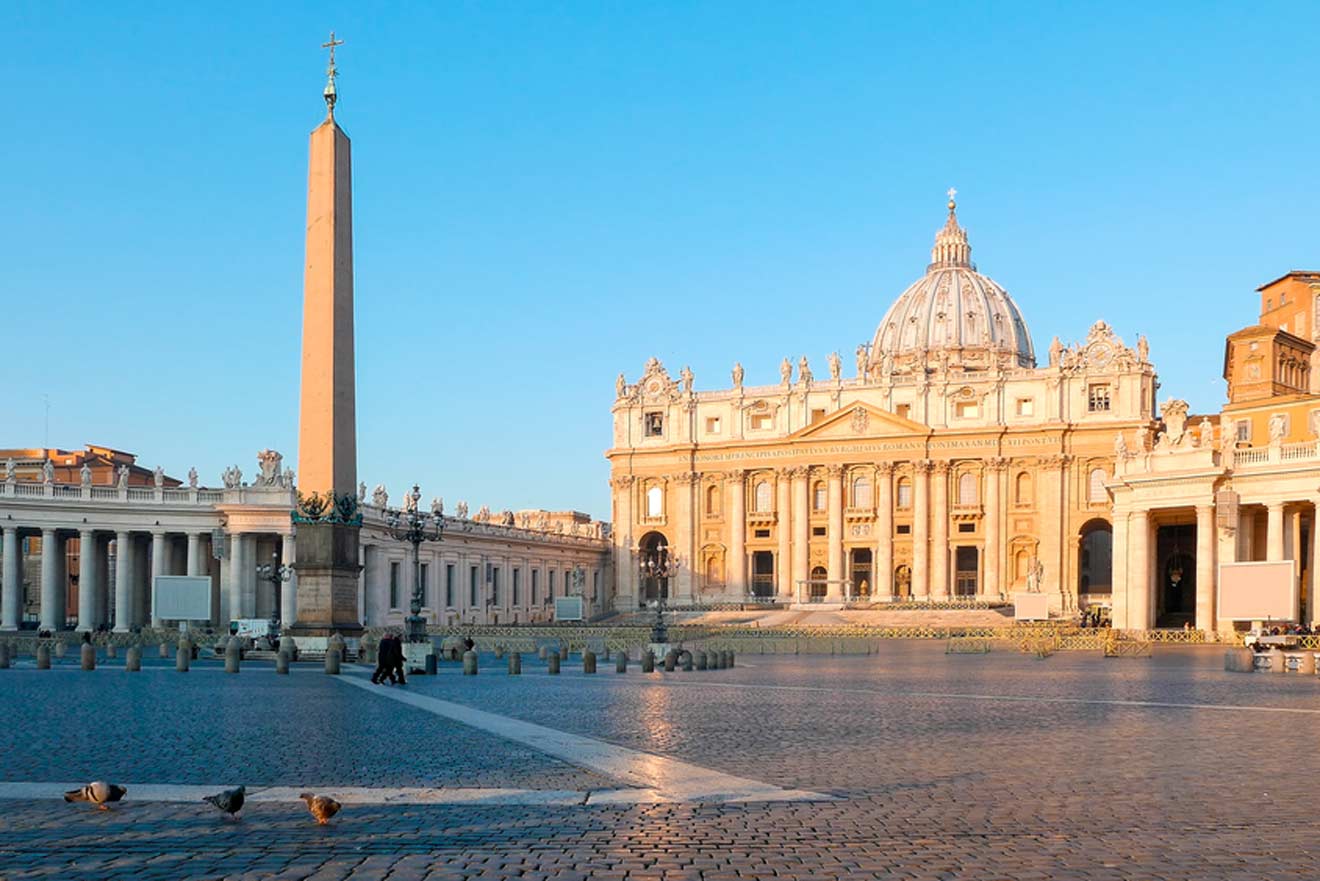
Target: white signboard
[1031,606]
[1257,591]
[182,597]
[254,628]
[568,608]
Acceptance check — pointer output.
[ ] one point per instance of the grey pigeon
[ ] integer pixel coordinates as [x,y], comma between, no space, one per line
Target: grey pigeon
[98,792]
[230,800]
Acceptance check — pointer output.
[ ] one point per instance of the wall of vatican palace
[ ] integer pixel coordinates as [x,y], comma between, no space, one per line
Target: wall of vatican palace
[83,554]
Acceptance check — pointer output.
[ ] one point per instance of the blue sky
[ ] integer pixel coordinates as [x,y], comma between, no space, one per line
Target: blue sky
[548,193]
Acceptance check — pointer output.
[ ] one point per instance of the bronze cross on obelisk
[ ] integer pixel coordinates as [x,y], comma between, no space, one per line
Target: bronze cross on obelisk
[331,73]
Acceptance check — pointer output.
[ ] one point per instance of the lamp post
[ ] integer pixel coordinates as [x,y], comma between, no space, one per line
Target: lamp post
[656,564]
[276,575]
[415,527]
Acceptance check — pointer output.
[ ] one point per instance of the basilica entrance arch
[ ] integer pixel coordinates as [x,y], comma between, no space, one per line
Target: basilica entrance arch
[1095,563]
[653,553]
[859,560]
[818,584]
[903,581]
[1175,575]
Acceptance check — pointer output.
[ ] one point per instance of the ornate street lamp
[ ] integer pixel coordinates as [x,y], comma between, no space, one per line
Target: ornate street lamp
[414,527]
[276,575]
[655,565]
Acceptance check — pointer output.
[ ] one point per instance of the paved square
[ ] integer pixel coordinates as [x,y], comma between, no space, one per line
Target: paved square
[907,764]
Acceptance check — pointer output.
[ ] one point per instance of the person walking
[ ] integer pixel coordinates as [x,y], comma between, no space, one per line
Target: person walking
[384,659]
[398,661]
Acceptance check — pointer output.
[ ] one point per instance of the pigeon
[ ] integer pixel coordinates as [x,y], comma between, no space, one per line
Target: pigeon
[323,807]
[230,800]
[98,792]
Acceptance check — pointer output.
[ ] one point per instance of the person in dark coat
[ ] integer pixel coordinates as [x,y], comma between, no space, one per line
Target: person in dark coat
[398,660]
[384,659]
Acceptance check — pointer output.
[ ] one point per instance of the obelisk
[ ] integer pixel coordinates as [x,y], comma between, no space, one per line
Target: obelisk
[327,520]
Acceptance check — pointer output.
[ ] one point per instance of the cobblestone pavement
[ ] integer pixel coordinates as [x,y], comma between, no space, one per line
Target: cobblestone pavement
[1166,768]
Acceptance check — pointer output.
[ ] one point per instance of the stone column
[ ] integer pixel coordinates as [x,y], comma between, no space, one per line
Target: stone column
[1246,535]
[835,573]
[373,611]
[123,581]
[1274,547]
[626,566]
[88,573]
[238,564]
[882,575]
[1139,592]
[1053,508]
[939,533]
[157,568]
[783,529]
[52,600]
[1205,568]
[991,565]
[1121,552]
[685,533]
[1313,612]
[920,530]
[194,554]
[12,597]
[801,531]
[288,589]
[738,533]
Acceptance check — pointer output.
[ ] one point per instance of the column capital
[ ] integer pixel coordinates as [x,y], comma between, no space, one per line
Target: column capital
[922,466]
[940,466]
[997,464]
[686,478]
[799,472]
[736,475]
[834,471]
[884,469]
[622,481]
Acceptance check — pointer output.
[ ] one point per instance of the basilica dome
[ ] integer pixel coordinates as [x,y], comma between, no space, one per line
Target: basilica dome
[952,315]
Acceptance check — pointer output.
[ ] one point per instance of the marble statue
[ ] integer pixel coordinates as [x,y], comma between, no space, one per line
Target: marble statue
[462,510]
[1035,575]
[861,361]
[438,506]
[362,492]
[268,461]
[786,371]
[620,386]
[11,471]
[121,479]
[158,477]
[48,472]
[1056,349]
[804,371]
[409,503]
[85,475]
[1143,349]
[287,480]
[379,497]
[232,477]
[1120,446]
[686,375]
[1278,426]
[192,477]
[737,374]
[835,370]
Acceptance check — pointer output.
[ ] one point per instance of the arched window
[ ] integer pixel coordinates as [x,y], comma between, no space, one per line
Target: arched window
[713,499]
[1096,491]
[818,496]
[861,492]
[655,502]
[1022,489]
[904,494]
[761,497]
[967,489]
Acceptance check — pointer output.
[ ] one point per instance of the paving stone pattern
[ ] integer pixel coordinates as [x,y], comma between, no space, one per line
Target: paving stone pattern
[930,787]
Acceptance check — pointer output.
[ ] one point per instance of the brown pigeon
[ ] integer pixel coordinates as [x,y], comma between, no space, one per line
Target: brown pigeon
[98,792]
[230,800]
[323,807]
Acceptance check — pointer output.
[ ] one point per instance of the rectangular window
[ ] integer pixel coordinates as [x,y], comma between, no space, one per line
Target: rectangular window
[761,421]
[1243,431]
[967,410]
[517,586]
[569,586]
[1026,407]
[550,585]
[904,529]
[595,586]
[760,533]
[449,585]
[535,573]
[426,585]
[966,527]
[712,425]
[817,416]
[394,585]
[655,424]
[1097,398]
[474,575]
[495,586]
[904,494]
[818,530]
[904,410]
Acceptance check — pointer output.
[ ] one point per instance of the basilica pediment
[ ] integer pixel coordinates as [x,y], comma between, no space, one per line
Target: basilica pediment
[860,420]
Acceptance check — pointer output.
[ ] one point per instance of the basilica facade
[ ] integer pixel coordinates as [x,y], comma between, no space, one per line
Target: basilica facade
[949,464]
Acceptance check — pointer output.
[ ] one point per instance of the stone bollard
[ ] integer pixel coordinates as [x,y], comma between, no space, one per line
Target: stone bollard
[687,662]
[43,656]
[648,661]
[732,660]
[183,657]
[621,662]
[552,664]
[671,660]
[515,663]
[1278,661]
[60,648]
[543,652]
[701,660]
[282,662]
[1239,660]
[337,642]
[499,652]
[164,649]
[432,664]
[4,656]
[133,659]
[233,655]
[88,656]
[588,661]
[110,650]
[717,660]
[1307,664]
[333,658]
[469,663]
[605,654]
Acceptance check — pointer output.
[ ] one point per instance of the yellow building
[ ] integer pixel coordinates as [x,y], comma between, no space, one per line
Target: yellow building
[948,465]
